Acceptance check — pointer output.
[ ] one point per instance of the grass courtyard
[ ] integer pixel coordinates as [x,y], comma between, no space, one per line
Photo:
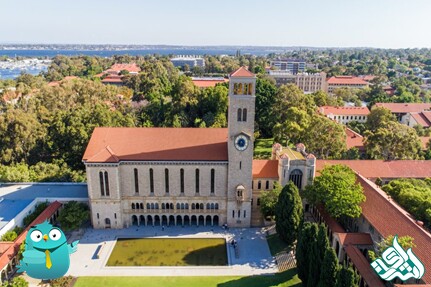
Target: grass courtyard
[263,148]
[283,279]
[169,252]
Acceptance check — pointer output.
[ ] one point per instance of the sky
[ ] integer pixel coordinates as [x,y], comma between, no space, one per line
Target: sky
[316,23]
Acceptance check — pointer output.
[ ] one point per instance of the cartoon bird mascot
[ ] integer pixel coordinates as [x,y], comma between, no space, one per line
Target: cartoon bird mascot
[46,254]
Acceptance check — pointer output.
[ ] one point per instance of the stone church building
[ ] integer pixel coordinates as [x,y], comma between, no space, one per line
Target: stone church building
[188,176]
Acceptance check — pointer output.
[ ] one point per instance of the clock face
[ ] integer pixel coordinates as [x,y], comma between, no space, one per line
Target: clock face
[241,142]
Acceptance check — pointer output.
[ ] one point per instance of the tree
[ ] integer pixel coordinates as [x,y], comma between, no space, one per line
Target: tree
[268,200]
[293,128]
[337,190]
[265,94]
[393,141]
[406,242]
[317,250]
[347,277]
[73,215]
[330,266]
[378,117]
[325,138]
[16,282]
[288,213]
[306,236]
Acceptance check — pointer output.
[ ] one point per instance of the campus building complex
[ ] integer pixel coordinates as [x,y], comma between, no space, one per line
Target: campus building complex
[307,82]
[186,176]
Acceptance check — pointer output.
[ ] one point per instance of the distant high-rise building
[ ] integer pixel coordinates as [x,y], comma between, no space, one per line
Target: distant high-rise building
[191,61]
[293,66]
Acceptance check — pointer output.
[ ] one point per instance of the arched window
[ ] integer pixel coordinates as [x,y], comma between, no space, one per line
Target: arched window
[163,206]
[235,89]
[133,206]
[197,205]
[152,205]
[245,89]
[187,206]
[212,180]
[102,184]
[239,115]
[296,178]
[141,205]
[167,180]
[250,89]
[244,115]
[148,206]
[156,206]
[240,91]
[259,184]
[216,206]
[178,206]
[135,172]
[208,206]
[212,206]
[197,180]
[106,184]
[137,205]
[171,205]
[201,206]
[193,206]
[182,180]
[151,180]
[267,185]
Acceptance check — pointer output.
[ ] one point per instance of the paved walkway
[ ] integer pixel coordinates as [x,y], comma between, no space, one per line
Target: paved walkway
[254,255]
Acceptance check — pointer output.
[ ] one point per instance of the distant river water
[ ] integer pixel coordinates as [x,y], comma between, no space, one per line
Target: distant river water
[11,74]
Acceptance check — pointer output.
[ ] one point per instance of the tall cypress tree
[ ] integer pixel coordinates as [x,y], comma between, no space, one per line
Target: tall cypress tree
[307,236]
[318,248]
[347,277]
[288,213]
[330,266]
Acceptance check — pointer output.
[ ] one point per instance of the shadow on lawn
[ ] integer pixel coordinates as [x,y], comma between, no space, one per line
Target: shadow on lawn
[208,256]
[263,280]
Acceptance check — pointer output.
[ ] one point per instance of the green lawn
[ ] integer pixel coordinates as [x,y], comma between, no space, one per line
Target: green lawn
[169,252]
[276,245]
[263,148]
[284,279]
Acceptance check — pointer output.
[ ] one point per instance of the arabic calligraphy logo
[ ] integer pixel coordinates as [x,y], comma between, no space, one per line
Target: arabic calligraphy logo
[396,262]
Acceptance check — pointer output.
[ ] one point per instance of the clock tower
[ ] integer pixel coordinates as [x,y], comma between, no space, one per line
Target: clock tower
[242,87]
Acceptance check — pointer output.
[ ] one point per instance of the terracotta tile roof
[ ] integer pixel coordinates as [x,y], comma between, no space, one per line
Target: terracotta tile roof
[384,169]
[113,79]
[368,78]
[354,139]
[422,118]
[346,80]
[332,224]
[132,68]
[265,168]
[207,83]
[13,249]
[388,218]
[355,239]
[425,141]
[4,245]
[403,108]
[242,72]
[109,144]
[344,111]
[363,266]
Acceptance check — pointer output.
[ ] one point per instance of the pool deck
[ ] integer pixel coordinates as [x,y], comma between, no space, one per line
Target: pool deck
[254,255]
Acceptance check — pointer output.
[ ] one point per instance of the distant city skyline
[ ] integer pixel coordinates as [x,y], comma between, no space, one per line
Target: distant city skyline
[283,23]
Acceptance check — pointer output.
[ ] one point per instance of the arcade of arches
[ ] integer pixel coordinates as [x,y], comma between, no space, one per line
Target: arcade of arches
[175,220]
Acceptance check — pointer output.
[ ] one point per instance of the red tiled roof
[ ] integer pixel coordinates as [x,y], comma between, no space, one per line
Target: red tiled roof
[332,224]
[363,266]
[265,168]
[132,68]
[388,218]
[422,118]
[243,72]
[112,79]
[368,77]
[384,169]
[4,245]
[403,108]
[346,80]
[425,141]
[207,83]
[355,239]
[13,249]
[354,139]
[345,111]
[109,144]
